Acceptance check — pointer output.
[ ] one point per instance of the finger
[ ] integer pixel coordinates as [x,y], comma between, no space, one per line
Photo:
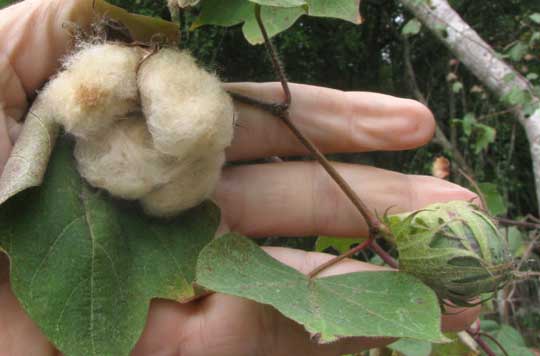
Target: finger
[300,198]
[336,121]
[39,29]
[20,335]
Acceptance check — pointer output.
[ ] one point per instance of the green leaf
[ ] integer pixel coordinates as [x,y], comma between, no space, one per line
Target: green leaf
[534,38]
[512,341]
[347,10]
[532,76]
[535,17]
[469,120]
[454,348]
[233,12]
[518,51]
[515,242]
[509,77]
[85,267]
[280,3]
[382,303]
[494,200]
[408,347]
[530,108]
[485,136]
[516,96]
[412,27]
[457,87]
[340,244]
[277,18]
[223,13]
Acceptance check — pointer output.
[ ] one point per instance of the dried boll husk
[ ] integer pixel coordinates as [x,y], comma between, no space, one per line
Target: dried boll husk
[123,160]
[194,183]
[455,248]
[97,86]
[187,110]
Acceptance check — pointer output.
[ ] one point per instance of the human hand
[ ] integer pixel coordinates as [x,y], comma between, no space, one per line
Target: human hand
[292,198]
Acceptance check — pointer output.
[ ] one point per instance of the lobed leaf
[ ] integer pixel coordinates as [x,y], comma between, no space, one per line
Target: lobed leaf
[86,267]
[377,304]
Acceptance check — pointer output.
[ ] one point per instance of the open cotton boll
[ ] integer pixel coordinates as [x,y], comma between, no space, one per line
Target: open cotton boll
[195,183]
[97,87]
[186,108]
[123,160]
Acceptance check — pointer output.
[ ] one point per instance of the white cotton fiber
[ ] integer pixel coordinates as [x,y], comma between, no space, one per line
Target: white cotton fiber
[97,87]
[124,162]
[187,110]
[195,183]
[167,148]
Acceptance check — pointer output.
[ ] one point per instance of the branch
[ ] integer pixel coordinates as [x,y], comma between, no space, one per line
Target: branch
[484,63]
[281,110]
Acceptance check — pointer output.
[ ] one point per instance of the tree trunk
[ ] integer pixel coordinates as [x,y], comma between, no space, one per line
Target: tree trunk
[483,62]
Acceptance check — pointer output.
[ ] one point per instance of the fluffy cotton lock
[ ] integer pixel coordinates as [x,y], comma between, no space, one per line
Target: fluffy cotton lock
[194,183]
[187,110]
[124,162]
[98,86]
[166,150]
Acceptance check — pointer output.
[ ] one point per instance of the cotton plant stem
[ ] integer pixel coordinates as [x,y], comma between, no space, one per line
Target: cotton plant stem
[385,256]
[340,258]
[476,334]
[281,110]
[374,224]
[523,224]
[278,67]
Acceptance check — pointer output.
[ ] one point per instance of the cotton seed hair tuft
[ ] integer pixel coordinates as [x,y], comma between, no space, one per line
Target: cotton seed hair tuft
[98,86]
[167,148]
[186,109]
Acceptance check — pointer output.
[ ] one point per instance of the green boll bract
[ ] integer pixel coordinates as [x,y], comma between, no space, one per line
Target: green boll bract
[455,248]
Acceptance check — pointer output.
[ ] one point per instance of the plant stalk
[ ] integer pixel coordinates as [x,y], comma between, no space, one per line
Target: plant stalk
[281,110]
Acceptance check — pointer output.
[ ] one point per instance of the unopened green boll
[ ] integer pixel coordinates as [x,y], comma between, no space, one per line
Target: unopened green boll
[455,248]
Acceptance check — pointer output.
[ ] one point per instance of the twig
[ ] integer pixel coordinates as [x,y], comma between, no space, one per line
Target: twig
[528,251]
[339,258]
[275,61]
[525,224]
[495,341]
[385,256]
[476,335]
[281,110]
[475,186]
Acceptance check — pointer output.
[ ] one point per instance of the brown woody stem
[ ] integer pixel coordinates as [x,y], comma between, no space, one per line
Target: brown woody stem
[281,110]
[278,67]
[339,258]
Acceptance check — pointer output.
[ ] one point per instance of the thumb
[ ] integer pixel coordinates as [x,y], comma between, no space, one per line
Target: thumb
[34,36]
